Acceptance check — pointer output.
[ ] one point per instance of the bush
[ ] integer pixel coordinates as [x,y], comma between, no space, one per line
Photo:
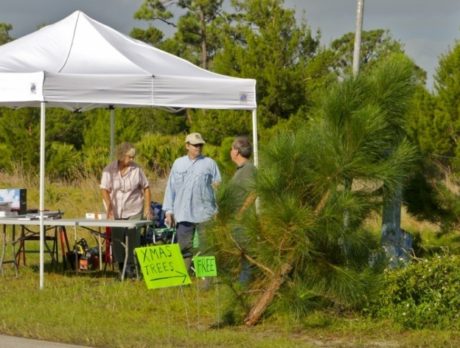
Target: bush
[6,160]
[95,158]
[63,162]
[156,153]
[426,294]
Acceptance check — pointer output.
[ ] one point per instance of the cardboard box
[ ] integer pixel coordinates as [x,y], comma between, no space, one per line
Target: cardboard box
[16,199]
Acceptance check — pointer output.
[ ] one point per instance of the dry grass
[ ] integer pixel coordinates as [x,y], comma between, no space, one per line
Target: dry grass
[408,223]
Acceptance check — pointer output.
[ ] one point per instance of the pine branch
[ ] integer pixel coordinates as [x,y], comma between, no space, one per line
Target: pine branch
[252,260]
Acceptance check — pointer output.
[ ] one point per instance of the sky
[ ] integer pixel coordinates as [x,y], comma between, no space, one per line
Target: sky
[426,28]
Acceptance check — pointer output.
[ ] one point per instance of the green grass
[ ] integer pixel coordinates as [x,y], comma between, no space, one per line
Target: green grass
[96,309]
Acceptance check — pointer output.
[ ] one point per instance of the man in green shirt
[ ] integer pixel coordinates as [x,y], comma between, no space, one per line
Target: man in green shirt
[242,185]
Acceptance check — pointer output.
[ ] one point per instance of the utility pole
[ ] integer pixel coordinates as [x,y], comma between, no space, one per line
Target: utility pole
[359,28]
[357,48]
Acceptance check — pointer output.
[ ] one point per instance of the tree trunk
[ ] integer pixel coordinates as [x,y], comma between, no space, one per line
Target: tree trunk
[396,243]
[267,297]
[277,280]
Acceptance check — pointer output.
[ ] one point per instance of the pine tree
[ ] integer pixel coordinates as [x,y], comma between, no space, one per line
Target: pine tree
[435,128]
[298,239]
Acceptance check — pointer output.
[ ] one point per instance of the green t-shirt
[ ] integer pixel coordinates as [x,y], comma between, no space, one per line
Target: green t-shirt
[242,182]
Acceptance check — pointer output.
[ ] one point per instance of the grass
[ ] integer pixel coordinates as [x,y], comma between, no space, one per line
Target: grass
[97,310]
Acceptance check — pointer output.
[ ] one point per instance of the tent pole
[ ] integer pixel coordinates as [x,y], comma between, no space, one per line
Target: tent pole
[255,149]
[112,132]
[42,190]
[254,137]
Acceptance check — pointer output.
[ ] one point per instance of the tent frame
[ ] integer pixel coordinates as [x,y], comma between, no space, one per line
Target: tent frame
[112,151]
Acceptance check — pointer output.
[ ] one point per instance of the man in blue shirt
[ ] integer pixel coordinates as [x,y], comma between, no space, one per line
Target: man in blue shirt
[189,197]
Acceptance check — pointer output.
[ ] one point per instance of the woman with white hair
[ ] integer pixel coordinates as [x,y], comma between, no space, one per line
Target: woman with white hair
[126,195]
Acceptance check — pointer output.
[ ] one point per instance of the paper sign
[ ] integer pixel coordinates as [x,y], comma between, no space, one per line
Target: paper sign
[205,266]
[162,266]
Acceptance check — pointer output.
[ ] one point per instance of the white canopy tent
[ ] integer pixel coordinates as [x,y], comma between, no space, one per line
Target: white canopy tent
[79,64]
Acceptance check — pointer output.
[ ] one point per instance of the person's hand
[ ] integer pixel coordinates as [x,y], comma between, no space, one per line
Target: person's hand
[110,214]
[148,214]
[169,220]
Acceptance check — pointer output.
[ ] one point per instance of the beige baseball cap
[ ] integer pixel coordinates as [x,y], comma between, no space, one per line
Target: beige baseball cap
[194,139]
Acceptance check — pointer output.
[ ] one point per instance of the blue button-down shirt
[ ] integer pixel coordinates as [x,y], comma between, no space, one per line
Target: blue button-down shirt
[189,193]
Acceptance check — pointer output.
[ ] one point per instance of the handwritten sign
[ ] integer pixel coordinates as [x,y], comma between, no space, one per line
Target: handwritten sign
[162,266]
[205,266]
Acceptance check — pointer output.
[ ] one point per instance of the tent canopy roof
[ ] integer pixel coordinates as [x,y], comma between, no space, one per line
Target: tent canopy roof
[79,63]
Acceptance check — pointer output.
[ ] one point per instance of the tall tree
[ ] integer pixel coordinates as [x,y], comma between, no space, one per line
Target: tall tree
[426,130]
[264,41]
[151,11]
[447,90]
[435,128]
[194,37]
[394,99]
[259,39]
[5,29]
[375,45]
[198,26]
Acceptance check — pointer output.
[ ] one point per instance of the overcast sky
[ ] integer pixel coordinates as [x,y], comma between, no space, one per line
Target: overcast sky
[426,28]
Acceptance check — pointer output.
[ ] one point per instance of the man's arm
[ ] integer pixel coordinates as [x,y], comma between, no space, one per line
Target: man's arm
[216,177]
[250,199]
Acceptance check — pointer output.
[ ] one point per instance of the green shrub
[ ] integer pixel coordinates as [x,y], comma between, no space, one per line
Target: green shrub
[6,160]
[95,158]
[156,153]
[63,161]
[425,294]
